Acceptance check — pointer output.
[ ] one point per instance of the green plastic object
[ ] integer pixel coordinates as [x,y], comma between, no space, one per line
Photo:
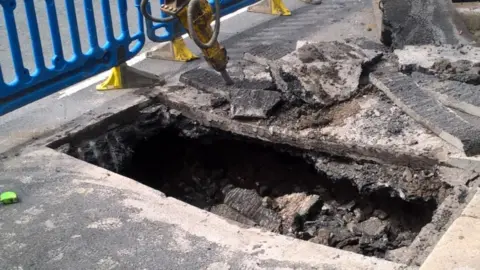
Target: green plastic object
[8,197]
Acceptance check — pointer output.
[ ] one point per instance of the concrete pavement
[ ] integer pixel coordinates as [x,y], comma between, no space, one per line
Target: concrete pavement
[73,215]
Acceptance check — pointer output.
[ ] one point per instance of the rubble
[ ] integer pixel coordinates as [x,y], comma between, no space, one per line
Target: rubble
[297,207]
[371,227]
[253,103]
[250,204]
[458,63]
[320,73]
[420,22]
[212,82]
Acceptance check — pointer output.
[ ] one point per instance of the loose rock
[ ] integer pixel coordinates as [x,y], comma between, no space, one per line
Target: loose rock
[373,227]
[297,205]
[253,103]
[250,204]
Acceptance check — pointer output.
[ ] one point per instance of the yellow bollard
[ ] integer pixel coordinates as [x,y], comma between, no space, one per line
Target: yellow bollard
[175,50]
[273,7]
[123,77]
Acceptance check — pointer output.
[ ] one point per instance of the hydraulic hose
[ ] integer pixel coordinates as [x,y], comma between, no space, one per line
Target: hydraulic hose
[216,31]
[148,16]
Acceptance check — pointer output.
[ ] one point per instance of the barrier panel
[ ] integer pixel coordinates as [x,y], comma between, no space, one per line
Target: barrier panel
[173,29]
[42,80]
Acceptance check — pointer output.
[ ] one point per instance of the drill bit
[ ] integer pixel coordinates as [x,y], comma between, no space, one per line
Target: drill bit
[226,77]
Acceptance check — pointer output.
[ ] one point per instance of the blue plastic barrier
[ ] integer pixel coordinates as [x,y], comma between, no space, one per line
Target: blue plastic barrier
[173,28]
[32,85]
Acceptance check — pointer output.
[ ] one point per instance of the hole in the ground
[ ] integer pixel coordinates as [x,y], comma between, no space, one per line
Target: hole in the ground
[258,184]
[255,184]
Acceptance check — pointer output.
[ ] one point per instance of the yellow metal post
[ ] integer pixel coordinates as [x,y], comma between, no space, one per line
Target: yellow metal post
[123,77]
[175,50]
[273,7]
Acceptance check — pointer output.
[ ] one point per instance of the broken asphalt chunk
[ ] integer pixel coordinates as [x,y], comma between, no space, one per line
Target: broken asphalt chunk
[372,226]
[212,82]
[455,128]
[248,203]
[246,103]
[297,205]
[321,73]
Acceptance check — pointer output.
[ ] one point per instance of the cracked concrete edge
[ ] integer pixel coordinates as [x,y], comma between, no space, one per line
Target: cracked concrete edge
[146,205]
[446,213]
[113,113]
[463,162]
[124,109]
[277,134]
[459,247]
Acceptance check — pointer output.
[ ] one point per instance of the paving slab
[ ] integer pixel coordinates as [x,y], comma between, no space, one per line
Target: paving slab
[459,248]
[70,209]
[425,109]
[429,22]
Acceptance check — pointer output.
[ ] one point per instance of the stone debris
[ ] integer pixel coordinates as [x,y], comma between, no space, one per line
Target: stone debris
[246,103]
[458,63]
[322,73]
[372,227]
[460,130]
[425,56]
[250,204]
[297,206]
[404,182]
[212,82]
[323,237]
[429,22]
